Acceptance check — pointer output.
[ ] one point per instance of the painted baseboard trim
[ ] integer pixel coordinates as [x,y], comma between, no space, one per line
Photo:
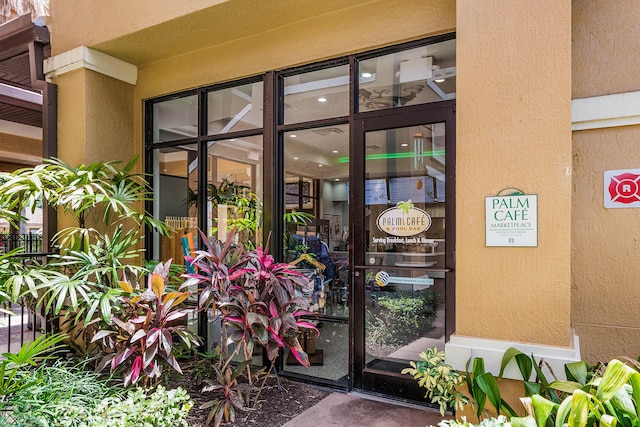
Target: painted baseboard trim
[621,109]
[460,349]
[85,57]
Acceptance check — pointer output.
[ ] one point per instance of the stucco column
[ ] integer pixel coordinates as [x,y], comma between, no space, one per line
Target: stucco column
[95,108]
[513,130]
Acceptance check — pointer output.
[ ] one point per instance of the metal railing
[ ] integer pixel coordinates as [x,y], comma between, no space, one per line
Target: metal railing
[24,323]
[30,243]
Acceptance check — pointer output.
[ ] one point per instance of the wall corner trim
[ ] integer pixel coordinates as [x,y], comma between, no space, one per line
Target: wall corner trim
[85,57]
[460,349]
[621,109]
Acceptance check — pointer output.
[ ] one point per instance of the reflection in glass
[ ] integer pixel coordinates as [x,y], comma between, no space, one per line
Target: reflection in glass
[316,95]
[415,76]
[235,109]
[175,119]
[404,315]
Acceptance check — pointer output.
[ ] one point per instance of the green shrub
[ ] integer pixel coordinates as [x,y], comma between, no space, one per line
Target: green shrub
[143,408]
[64,394]
[401,320]
[439,379]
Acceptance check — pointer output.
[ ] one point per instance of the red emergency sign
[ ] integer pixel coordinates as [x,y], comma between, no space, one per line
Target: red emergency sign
[624,188]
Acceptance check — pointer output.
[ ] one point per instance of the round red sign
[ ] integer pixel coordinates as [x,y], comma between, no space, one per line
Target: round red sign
[624,188]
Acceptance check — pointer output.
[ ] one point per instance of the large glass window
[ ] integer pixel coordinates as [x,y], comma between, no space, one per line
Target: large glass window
[235,109]
[316,95]
[208,158]
[415,76]
[234,189]
[175,119]
[175,174]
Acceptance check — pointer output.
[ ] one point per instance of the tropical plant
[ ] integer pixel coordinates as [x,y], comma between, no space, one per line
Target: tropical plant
[61,393]
[578,372]
[80,283]
[140,338]
[66,393]
[30,354]
[499,421]
[482,386]
[154,408]
[439,379]
[229,392]
[255,301]
[608,400]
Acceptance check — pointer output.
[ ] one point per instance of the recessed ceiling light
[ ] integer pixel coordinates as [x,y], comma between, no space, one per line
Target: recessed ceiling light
[296,158]
[320,165]
[322,99]
[336,179]
[232,140]
[439,80]
[404,145]
[366,75]
[293,135]
[334,151]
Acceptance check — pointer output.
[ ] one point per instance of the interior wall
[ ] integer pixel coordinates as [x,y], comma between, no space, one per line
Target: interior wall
[513,121]
[606,242]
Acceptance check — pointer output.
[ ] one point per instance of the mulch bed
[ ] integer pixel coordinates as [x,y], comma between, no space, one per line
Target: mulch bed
[275,407]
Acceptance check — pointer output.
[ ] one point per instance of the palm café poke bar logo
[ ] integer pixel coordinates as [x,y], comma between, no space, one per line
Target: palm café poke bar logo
[404,219]
[622,188]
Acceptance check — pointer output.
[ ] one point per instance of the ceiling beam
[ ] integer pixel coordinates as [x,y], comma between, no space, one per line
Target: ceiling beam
[16,35]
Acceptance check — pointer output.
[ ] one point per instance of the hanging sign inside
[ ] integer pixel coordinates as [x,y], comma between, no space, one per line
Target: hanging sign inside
[622,188]
[511,220]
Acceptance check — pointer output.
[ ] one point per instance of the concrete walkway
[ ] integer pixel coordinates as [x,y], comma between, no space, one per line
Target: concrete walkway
[350,410]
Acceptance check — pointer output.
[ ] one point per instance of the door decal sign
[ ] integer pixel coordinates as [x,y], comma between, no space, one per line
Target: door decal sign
[622,188]
[403,220]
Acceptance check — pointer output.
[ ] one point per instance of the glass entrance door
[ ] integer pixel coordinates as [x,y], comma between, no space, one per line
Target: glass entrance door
[403,267]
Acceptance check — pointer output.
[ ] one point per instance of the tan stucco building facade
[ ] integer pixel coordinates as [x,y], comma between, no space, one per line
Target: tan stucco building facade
[546,102]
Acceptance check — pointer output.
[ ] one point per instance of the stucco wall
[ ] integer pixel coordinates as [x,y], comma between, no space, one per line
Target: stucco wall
[313,37]
[87,22]
[19,151]
[514,130]
[606,242]
[606,42]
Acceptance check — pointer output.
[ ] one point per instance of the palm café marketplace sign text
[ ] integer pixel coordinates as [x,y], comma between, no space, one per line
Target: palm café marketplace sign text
[511,220]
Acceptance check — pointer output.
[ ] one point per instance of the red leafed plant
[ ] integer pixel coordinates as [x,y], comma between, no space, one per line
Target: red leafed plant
[256,303]
[141,336]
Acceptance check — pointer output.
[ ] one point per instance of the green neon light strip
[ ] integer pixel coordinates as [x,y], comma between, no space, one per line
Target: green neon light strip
[405,155]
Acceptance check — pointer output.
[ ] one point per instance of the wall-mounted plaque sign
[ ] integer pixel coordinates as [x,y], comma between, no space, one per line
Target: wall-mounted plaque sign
[511,220]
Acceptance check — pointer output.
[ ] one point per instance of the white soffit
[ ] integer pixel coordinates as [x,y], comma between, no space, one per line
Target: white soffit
[85,57]
[622,109]
[18,129]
